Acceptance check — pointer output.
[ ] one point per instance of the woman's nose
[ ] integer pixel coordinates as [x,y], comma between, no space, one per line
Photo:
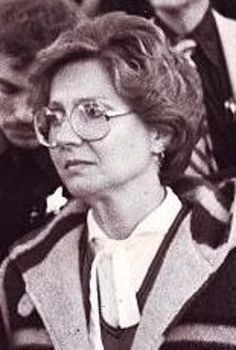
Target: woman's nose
[66,135]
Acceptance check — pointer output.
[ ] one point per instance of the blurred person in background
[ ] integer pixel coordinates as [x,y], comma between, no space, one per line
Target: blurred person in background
[120,111]
[214,56]
[27,175]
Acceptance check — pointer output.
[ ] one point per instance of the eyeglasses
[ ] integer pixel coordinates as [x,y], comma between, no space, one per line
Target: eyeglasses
[89,120]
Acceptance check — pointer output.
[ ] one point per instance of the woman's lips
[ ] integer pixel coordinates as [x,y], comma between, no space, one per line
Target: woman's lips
[75,162]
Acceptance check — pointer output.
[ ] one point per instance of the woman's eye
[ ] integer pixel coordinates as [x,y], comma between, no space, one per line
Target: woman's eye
[94,111]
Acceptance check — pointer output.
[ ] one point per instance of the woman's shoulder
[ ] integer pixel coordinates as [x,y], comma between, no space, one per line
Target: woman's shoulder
[35,246]
[34,261]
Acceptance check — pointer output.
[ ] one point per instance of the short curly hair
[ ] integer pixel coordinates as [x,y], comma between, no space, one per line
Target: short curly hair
[27,26]
[160,85]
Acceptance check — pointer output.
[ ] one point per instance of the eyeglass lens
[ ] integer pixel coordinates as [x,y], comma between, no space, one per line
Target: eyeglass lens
[88,122]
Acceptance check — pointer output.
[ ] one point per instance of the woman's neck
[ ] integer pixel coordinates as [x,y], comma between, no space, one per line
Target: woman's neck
[119,212]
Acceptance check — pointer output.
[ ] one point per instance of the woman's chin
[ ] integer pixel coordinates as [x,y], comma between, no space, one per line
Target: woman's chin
[83,189]
[90,191]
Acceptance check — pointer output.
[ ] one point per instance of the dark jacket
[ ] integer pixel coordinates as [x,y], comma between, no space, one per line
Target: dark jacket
[26,179]
[192,304]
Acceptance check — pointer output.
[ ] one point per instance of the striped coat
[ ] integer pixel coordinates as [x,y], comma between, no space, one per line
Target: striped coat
[192,304]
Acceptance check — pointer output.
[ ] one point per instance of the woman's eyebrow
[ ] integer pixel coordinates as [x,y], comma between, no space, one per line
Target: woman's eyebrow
[78,101]
[95,99]
[55,105]
[86,99]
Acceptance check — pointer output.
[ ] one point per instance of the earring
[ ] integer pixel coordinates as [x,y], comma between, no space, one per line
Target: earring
[160,158]
[230,106]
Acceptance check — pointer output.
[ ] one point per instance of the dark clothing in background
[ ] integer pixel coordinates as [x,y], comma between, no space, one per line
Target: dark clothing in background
[226,7]
[211,66]
[26,179]
[212,69]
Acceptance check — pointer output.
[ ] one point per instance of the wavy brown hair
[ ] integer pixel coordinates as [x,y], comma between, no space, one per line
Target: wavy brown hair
[160,85]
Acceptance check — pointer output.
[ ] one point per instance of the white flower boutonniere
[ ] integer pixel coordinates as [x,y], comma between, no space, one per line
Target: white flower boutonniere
[56,201]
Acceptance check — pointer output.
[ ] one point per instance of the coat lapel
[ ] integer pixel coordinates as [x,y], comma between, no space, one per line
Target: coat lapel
[54,286]
[185,269]
[227,31]
[64,318]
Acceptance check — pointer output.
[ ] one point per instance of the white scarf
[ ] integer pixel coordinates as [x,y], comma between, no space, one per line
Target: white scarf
[120,266]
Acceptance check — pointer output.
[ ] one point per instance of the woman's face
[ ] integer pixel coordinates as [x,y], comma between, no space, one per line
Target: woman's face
[112,162]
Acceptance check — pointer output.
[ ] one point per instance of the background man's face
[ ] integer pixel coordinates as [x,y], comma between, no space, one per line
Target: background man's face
[15,114]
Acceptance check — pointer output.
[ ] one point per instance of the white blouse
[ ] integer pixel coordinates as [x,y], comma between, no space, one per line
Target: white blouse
[120,266]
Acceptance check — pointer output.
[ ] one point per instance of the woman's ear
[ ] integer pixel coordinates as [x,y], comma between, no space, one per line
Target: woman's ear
[159,142]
